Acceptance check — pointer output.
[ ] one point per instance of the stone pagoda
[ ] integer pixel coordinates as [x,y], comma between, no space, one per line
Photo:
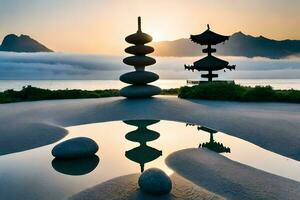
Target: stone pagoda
[139,78]
[143,153]
[209,63]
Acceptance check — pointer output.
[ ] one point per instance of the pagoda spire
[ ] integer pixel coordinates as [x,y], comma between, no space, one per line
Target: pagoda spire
[209,63]
[139,24]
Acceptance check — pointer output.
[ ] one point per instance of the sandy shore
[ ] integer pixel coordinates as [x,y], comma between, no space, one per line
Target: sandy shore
[126,188]
[230,179]
[273,126]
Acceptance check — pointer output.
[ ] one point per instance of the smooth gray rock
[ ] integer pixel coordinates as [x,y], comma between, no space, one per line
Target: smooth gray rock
[139,77]
[139,61]
[140,91]
[139,50]
[75,148]
[155,181]
[138,38]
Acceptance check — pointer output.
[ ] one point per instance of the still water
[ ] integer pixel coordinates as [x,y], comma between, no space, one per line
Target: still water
[125,147]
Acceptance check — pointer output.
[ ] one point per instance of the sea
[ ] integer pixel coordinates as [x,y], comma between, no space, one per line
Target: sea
[116,84]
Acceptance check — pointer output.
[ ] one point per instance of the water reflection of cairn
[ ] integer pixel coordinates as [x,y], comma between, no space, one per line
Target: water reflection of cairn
[212,144]
[143,153]
[139,78]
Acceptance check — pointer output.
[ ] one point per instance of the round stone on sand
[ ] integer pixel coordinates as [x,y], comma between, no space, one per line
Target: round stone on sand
[154,181]
[79,147]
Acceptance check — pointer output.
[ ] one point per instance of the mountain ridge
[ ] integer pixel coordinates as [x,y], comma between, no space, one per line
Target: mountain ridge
[239,44]
[22,43]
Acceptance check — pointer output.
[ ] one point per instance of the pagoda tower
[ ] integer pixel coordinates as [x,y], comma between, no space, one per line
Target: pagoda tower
[212,144]
[209,63]
[139,78]
[143,153]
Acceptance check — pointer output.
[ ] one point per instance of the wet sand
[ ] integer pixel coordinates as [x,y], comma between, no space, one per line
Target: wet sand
[230,179]
[126,188]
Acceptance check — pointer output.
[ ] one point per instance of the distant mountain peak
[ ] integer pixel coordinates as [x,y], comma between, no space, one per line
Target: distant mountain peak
[240,33]
[22,43]
[239,44]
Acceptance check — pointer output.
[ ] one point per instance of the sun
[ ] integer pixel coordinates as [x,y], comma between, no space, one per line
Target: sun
[158,32]
[158,36]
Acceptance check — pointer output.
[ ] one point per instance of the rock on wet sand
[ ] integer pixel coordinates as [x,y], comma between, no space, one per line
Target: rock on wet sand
[126,188]
[155,181]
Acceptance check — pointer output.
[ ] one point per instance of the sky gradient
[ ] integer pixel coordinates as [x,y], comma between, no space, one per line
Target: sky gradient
[96,26]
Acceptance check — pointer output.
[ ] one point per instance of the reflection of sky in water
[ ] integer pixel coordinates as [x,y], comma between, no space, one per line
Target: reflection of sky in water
[30,175]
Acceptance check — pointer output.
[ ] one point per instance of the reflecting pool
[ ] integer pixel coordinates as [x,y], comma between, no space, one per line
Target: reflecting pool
[125,147]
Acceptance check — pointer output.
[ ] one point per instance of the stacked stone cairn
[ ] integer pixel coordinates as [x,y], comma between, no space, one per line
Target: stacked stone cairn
[139,78]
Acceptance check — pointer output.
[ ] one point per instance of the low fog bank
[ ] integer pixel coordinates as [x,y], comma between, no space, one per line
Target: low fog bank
[24,66]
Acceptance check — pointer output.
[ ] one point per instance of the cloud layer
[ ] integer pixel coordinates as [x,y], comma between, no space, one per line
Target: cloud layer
[79,66]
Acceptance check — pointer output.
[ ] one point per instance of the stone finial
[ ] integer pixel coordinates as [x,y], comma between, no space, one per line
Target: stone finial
[139,24]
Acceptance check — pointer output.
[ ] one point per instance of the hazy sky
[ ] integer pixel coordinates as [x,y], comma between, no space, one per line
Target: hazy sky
[99,26]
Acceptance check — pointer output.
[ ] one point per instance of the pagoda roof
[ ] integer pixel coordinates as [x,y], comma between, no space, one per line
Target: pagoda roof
[208,37]
[210,63]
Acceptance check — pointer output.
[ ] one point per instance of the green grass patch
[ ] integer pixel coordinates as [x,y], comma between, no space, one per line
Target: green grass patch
[210,91]
[232,92]
[30,93]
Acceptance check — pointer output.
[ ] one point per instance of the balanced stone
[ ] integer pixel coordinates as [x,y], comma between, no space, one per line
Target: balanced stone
[139,91]
[139,61]
[138,38]
[139,50]
[139,77]
[75,148]
[155,181]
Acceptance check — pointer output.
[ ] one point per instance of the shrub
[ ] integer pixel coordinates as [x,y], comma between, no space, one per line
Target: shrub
[30,93]
[232,92]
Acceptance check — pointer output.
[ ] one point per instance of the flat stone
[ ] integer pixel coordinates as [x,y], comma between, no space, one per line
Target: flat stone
[139,61]
[75,148]
[140,91]
[155,181]
[138,38]
[139,77]
[139,50]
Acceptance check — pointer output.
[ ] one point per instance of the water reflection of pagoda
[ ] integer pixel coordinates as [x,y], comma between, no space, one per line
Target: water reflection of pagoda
[143,153]
[209,63]
[212,144]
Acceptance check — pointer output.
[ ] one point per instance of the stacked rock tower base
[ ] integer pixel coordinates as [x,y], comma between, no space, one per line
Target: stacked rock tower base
[139,78]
